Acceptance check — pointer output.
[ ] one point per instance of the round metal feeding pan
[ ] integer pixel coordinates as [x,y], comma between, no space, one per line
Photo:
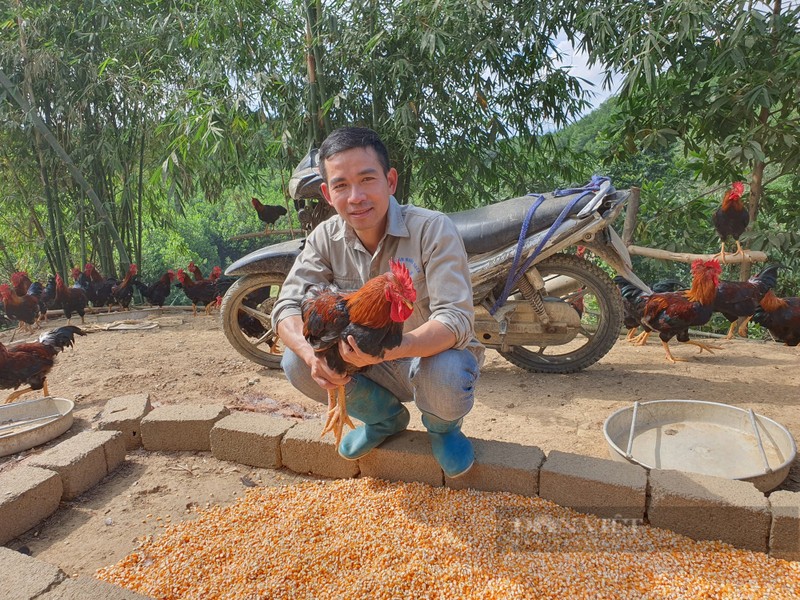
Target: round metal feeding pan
[702,437]
[30,423]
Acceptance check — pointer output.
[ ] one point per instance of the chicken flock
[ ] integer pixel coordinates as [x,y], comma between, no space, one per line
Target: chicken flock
[671,310]
[28,302]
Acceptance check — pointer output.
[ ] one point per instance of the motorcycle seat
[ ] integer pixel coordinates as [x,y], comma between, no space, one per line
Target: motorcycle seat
[488,228]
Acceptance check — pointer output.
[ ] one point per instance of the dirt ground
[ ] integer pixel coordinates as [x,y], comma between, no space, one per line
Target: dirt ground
[187,360]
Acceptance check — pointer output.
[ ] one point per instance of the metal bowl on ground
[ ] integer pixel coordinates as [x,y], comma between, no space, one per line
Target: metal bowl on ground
[702,437]
[30,423]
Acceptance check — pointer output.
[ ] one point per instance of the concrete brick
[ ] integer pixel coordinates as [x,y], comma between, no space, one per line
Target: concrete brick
[303,451]
[403,457]
[249,439]
[80,461]
[181,427]
[113,448]
[23,577]
[784,533]
[28,495]
[597,486]
[502,467]
[125,414]
[89,588]
[703,507]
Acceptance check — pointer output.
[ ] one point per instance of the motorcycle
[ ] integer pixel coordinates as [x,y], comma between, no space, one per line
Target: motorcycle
[543,309]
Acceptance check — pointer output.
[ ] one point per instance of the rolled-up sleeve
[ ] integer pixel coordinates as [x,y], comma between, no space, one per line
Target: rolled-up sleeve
[447,279]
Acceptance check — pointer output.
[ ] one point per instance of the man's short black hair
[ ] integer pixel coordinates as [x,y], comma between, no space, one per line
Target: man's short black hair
[346,138]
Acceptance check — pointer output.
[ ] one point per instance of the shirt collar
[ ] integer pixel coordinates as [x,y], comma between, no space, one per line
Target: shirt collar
[395,224]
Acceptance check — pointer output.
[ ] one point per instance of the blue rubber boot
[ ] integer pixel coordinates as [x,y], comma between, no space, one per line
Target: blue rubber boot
[450,447]
[382,413]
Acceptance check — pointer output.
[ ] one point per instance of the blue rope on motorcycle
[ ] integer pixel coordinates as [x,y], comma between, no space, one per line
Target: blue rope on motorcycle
[593,186]
[517,271]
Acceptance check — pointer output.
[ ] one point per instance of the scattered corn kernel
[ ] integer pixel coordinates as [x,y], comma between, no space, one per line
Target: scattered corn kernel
[366,538]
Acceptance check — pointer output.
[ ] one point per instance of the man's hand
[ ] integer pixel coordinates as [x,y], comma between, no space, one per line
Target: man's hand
[324,376]
[352,354]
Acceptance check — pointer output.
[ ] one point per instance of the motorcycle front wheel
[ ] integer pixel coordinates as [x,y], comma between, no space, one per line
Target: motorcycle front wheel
[246,318]
[592,293]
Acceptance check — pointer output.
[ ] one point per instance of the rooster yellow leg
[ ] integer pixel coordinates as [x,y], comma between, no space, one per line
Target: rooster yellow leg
[641,339]
[703,346]
[13,396]
[730,331]
[721,255]
[45,391]
[337,415]
[671,358]
[631,331]
[743,326]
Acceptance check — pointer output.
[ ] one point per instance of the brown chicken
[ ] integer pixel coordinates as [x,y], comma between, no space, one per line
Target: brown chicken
[24,309]
[268,213]
[373,315]
[741,298]
[31,362]
[631,318]
[731,218]
[99,290]
[781,316]
[71,300]
[195,270]
[157,292]
[672,313]
[21,283]
[199,292]
[122,293]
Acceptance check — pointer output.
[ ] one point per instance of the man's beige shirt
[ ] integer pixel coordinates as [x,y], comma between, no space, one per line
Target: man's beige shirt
[424,240]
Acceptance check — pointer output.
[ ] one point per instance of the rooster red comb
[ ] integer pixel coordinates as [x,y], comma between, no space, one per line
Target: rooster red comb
[737,189]
[400,271]
[710,265]
[17,277]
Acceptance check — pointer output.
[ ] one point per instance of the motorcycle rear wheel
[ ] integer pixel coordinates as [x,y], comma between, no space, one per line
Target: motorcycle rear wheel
[601,317]
[245,314]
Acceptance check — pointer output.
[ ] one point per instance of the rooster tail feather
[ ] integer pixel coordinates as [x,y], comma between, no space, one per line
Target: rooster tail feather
[768,277]
[61,337]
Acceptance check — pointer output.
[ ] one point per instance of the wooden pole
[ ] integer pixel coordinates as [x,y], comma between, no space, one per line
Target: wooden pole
[631,214]
[749,255]
[247,236]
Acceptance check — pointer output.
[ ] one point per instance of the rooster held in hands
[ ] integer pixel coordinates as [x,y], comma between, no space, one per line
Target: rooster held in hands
[731,218]
[741,298]
[672,313]
[373,315]
[31,362]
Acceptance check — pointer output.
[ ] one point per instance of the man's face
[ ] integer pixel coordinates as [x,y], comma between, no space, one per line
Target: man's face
[359,191]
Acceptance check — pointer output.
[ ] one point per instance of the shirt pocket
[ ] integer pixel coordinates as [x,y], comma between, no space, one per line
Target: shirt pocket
[421,285]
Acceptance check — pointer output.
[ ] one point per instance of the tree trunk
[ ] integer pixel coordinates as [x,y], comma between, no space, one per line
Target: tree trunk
[71,167]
